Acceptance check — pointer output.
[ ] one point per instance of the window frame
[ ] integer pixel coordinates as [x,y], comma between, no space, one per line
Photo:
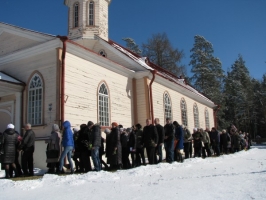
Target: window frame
[183,112]
[103,114]
[76,14]
[167,105]
[33,120]
[91,16]
[196,115]
[207,118]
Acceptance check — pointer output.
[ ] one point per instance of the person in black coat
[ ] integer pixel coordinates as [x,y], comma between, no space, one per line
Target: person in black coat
[215,141]
[132,146]
[150,140]
[9,142]
[83,143]
[95,138]
[124,138]
[169,131]
[28,146]
[113,148]
[197,142]
[139,146]
[160,131]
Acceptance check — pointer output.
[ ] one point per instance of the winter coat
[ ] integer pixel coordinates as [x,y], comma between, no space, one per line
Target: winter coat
[132,140]
[150,136]
[124,140]
[179,136]
[112,142]
[187,136]
[54,142]
[169,131]
[214,137]
[205,137]
[161,134]
[235,140]
[28,141]
[83,139]
[224,139]
[9,142]
[67,135]
[139,139]
[95,136]
[197,138]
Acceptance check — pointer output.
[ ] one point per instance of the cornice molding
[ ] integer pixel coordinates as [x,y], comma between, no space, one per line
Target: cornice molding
[31,51]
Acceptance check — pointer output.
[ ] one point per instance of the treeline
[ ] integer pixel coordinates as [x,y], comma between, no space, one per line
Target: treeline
[240,98]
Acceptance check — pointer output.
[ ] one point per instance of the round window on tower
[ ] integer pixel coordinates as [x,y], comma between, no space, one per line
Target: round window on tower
[102,53]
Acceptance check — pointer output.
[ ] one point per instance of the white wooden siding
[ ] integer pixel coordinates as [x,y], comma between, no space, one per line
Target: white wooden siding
[82,79]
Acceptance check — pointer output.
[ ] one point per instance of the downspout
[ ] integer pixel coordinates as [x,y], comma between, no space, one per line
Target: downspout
[215,116]
[151,98]
[64,40]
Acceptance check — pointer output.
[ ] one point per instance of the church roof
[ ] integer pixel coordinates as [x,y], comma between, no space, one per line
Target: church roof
[7,78]
[143,61]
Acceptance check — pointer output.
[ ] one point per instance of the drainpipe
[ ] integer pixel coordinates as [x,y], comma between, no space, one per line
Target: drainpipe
[64,40]
[215,116]
[151,99]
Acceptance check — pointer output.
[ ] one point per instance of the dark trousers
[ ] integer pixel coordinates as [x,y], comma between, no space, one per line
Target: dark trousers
[190,150]
[169,150]
[27,161]
[140,156]
[125,159]
[205,149]
[187,146]
[216,147]
[85,162]
[159,151]
[151,154]
[197,151]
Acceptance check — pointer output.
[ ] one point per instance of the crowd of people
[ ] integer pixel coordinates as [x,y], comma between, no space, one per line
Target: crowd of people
[124,147]
[11,144]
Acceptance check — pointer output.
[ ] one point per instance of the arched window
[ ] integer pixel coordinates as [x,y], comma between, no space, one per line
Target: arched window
[35,100]
[167,106]
[76,15]
[183,111]
[91,13]
[207,121]
[196,115]
[103,103]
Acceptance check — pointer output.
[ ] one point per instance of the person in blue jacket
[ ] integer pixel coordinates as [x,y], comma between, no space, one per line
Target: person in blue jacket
[68,144]
[178,142]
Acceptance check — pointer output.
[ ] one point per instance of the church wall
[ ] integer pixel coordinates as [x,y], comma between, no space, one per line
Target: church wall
[142,101]
[158,106]
[46,65]
[82,81]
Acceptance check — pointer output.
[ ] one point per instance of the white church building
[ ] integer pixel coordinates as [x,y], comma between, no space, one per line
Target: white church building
[47,79]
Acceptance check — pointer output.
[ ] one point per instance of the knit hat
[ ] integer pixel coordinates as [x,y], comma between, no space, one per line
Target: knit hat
[90,123]
[195,129]
[10,126]
[75,130]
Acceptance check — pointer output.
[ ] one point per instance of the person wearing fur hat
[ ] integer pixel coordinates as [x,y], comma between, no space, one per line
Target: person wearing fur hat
[9,142]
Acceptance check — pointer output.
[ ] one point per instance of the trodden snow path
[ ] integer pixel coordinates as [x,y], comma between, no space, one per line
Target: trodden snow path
[236,176]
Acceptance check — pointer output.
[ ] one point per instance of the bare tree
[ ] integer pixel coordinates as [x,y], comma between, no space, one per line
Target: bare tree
[160,51]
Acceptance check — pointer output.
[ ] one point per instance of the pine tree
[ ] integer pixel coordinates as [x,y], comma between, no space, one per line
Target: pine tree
[207,70]
[131,45]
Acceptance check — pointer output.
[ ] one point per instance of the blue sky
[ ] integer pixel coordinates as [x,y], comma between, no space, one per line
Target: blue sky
[232,26]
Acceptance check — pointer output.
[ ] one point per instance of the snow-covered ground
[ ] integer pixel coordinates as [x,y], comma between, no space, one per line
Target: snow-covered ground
[236,176]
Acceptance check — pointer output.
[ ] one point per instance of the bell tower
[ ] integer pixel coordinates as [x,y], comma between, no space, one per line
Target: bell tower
[87,18]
